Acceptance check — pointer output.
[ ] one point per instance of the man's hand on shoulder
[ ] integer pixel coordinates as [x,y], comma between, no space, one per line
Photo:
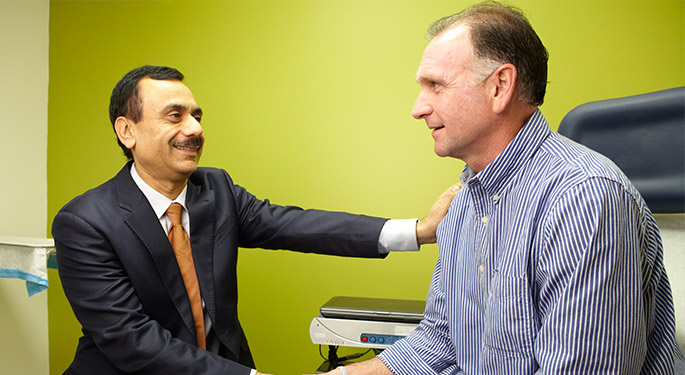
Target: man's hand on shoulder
[426,227]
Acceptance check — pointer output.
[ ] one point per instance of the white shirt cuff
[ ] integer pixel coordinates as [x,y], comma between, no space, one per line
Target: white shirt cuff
[398,235]
[253,372]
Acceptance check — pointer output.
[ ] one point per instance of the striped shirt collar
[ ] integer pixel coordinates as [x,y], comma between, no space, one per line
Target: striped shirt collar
[521,148]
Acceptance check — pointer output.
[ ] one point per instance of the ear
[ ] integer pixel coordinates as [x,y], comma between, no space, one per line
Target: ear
[125,132]
[503,87]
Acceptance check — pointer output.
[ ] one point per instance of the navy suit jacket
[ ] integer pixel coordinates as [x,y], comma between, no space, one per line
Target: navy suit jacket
[121,278]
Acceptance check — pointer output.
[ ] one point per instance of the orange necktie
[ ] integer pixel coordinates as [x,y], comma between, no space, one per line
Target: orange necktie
[181,245]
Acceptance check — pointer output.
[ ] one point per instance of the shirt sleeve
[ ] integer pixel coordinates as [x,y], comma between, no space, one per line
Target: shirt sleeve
[428,350]
[398,235]
[589,278]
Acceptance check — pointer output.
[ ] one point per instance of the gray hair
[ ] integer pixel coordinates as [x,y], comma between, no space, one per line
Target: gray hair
[502,34]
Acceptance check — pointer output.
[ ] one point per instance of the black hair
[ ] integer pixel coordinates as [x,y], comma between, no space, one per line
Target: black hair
[125,100]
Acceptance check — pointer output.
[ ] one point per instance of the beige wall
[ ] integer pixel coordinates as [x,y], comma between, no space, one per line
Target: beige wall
[672,228]
[23,191]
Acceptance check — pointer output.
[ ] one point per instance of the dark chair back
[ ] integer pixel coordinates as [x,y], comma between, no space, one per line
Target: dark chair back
[645,136]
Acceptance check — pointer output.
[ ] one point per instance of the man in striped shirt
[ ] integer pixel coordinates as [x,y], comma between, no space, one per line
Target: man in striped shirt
[550,261]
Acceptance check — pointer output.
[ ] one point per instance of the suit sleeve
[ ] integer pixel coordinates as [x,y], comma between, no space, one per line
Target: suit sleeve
[106,304]
[271,226]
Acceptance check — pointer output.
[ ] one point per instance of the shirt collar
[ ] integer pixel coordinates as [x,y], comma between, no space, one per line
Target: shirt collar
[520,149]
[157,200]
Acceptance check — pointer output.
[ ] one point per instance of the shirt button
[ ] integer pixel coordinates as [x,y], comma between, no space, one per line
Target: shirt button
[495,197]
[484,219]
[481,269]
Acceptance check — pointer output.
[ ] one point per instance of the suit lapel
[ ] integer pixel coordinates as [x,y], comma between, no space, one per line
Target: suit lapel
[145,224]
[200,204]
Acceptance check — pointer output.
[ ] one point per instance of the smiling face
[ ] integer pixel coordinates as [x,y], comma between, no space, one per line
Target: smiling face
[167,141]
[453,100]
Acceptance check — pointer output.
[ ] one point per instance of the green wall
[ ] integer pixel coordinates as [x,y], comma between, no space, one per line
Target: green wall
[308,103]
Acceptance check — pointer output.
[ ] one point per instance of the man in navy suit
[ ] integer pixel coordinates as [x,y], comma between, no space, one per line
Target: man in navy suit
[118,269]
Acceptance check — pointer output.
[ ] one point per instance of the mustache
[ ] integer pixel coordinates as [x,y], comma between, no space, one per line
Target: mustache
[193,141]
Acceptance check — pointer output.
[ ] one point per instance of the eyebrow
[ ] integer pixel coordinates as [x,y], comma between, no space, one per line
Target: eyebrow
[428,78]
[182,107]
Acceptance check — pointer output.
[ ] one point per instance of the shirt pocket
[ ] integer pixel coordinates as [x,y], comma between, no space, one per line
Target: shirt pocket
[509,329]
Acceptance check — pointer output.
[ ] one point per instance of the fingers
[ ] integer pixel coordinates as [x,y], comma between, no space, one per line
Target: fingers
[425,228]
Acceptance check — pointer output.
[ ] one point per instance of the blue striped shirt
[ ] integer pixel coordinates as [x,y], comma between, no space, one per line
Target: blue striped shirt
[550,262]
